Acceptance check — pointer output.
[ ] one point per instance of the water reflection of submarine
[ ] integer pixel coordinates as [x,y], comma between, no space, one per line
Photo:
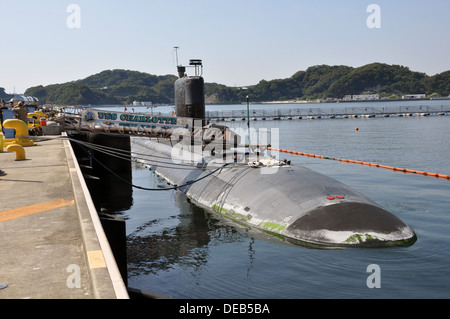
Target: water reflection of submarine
[292,201]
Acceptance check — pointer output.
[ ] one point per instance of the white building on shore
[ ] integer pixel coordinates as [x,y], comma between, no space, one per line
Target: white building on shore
[413,96]
[362,97]
[139,103]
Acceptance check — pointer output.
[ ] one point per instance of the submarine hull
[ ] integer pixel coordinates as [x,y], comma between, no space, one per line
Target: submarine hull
[291,201]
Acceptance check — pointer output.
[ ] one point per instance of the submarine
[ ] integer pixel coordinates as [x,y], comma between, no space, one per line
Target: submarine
[215,168]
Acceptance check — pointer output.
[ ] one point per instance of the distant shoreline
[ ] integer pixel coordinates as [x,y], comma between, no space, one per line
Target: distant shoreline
[349,101]
[155,106]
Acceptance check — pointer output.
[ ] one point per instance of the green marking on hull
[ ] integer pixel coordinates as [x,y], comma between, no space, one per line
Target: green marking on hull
[360,238]
[273,226]
[219,209]
[273,234]
[240,217]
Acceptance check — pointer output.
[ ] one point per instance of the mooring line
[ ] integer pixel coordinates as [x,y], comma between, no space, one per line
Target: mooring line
[396,169]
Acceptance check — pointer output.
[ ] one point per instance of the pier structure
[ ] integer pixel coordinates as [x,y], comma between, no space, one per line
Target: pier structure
[259,113]
[53,245]
[61,236]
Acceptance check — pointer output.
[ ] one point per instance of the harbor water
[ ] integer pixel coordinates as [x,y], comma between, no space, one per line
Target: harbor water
[180,250]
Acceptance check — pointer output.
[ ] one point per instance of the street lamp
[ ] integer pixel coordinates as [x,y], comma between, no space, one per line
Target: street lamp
[248,122]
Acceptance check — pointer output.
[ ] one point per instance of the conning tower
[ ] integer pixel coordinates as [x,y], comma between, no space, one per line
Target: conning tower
[190,94]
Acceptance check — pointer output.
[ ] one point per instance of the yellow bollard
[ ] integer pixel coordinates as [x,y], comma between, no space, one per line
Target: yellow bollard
[37,120]
[20,151]
[21,130]
[40,113]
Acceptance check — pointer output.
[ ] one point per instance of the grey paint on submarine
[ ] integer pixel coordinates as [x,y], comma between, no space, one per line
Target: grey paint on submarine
[291,202]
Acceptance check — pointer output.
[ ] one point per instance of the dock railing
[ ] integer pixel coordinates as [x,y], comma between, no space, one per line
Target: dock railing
[328,112]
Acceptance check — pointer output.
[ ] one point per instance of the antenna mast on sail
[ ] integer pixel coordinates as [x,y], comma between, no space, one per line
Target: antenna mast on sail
[176,53]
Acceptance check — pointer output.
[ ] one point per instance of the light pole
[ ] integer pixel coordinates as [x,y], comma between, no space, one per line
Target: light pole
[248,122]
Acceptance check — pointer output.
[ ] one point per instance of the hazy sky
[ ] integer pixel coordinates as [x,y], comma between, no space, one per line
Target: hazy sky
[240,42]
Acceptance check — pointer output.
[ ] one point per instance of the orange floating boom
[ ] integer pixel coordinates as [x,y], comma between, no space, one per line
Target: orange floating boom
[395,169]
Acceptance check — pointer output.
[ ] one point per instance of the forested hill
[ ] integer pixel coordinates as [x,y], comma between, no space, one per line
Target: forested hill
[317,82]
[109,87]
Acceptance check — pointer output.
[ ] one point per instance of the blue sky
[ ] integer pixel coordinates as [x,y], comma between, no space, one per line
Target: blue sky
[240,42]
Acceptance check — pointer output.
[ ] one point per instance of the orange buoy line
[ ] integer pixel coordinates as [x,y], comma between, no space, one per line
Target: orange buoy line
[396,169]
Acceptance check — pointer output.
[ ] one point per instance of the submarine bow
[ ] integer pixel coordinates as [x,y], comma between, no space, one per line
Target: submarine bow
[295,203]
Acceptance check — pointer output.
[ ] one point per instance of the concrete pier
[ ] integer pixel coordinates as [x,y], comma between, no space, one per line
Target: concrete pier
[52,244]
